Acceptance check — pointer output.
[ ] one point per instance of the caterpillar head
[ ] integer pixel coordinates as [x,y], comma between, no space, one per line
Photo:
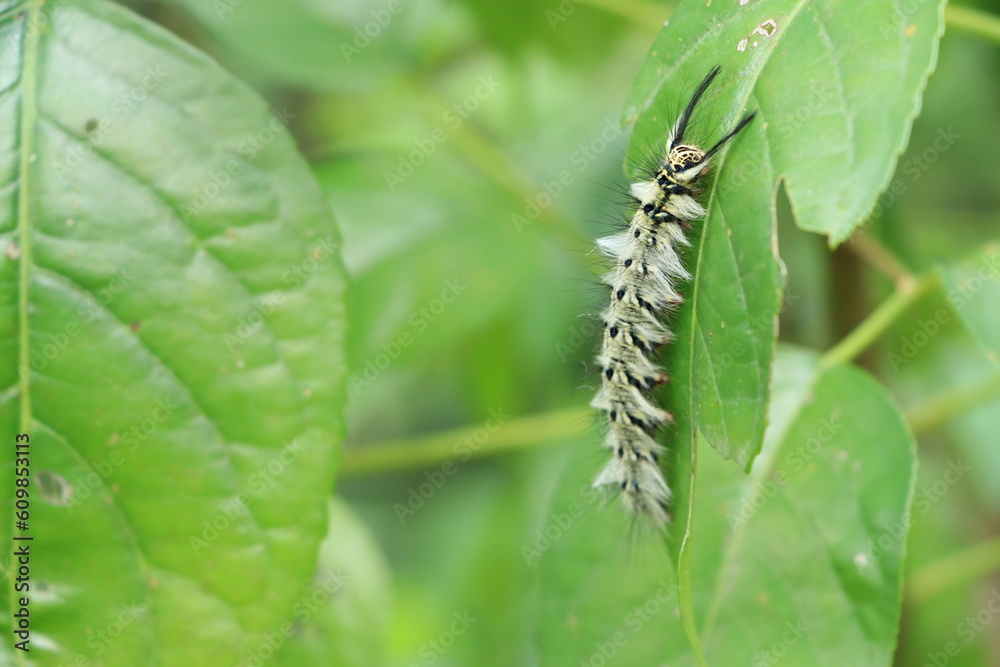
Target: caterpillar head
[686,163]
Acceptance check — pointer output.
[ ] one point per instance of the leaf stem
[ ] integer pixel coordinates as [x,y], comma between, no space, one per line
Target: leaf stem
[972,21]
[486,156]
[947,405]
[646,15]
[881,258]
[875,324]
[512,434]
[953,570]
[523,432]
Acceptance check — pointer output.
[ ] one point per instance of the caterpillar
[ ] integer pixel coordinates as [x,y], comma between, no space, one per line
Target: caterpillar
[646,264]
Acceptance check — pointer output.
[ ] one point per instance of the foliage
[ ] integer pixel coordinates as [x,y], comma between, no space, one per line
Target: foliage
[179,343]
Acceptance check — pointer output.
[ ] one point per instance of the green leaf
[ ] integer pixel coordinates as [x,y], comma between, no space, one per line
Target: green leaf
[836,86]
[605,591]
[326,46]
[298,41]
[972,288]
[342,618]
[172,295]
[812,570]
[806,70]
[801,560]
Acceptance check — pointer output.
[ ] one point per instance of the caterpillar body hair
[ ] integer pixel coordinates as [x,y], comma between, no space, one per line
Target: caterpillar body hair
[646,268]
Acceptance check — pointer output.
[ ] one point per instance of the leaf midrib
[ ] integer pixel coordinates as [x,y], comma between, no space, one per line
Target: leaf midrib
[29,111]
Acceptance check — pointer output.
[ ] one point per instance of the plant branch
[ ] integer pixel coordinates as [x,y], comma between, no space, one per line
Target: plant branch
[947,405]
[881,258]
[646,15]
[875,324]
[422,452]
[489,159]
[959,568]
[972,21]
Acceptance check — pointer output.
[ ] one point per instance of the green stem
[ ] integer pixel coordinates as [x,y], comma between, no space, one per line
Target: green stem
[512,434]
[489,159]
[954,570]
[644,14]
[875,324]
[972,21]
[947,405]
[868,248]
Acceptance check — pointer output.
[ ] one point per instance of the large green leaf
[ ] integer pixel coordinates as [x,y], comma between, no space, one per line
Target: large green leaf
[835,86]
[801,560]
[828,123]
[171,290]
[815,555]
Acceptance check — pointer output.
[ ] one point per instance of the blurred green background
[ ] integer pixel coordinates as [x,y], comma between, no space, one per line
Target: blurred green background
[471,152]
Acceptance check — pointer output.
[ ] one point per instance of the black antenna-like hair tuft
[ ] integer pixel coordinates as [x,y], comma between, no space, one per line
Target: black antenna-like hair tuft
[677,136]
[732,133]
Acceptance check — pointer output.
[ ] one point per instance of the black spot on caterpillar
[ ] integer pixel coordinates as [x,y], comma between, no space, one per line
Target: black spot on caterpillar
[664,205]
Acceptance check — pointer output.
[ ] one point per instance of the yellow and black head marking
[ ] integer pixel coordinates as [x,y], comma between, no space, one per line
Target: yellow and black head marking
[646,264]
[679,158]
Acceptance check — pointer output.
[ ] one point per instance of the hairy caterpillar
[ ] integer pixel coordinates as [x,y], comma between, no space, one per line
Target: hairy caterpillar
[642,287]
